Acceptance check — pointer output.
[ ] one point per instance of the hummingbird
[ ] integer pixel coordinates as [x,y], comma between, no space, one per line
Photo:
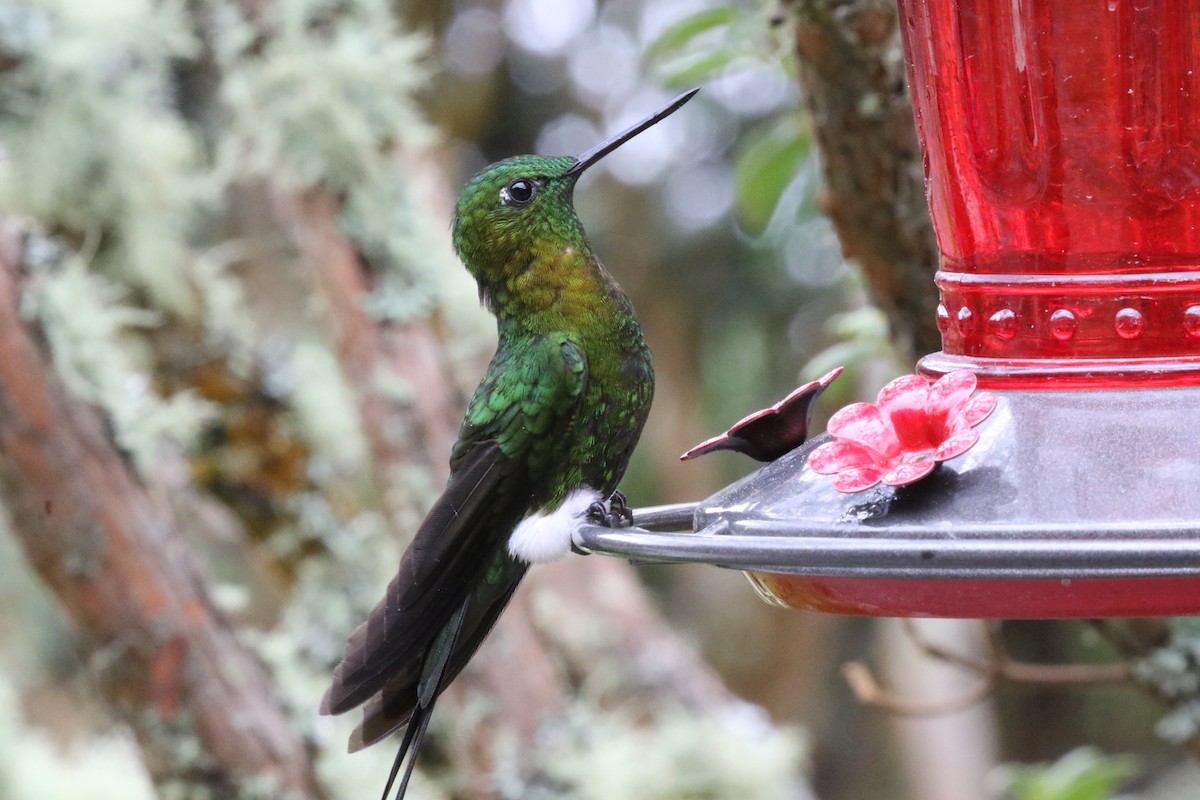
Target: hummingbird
[544,442]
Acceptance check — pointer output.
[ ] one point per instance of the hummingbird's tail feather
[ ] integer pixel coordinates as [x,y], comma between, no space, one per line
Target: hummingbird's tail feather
[414,734]
[398,701]
[433,678]
[449,557]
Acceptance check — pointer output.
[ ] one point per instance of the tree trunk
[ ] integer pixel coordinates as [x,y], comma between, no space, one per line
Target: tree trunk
[851,73]
[203,708]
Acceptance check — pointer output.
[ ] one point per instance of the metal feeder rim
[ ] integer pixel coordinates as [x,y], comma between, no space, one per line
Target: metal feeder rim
[894,557]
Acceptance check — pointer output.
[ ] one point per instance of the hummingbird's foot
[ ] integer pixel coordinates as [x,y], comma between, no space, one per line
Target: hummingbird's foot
[617,504]
[611,513]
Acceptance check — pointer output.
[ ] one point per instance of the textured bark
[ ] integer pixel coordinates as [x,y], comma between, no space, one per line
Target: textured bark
[341,283]
[851,71]
[364,347]
[108,546]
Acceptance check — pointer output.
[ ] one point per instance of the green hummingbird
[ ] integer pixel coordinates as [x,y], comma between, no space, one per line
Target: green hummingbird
[545,440]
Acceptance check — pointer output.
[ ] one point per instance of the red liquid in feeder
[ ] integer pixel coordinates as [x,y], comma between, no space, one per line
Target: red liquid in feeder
[1062,154]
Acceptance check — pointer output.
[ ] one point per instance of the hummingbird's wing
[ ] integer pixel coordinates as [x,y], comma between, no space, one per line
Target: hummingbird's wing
[514,434]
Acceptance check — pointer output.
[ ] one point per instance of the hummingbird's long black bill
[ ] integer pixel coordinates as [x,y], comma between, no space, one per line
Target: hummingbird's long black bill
[604,148]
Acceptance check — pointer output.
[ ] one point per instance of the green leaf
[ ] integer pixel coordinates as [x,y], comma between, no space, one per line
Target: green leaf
[1082,774]
[766,165]
[686,72]
[679,36]
[699,46]
[862,335]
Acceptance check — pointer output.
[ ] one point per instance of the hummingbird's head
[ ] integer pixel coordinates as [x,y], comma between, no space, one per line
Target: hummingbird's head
[519,211]
[512,211]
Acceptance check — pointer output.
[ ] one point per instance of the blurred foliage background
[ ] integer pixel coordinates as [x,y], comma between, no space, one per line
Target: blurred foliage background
[145,149]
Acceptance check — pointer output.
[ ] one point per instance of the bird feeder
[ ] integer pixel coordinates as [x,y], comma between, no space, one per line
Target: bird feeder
[1061,145]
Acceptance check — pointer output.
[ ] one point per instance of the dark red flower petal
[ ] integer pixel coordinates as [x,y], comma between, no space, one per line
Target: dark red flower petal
[771,432]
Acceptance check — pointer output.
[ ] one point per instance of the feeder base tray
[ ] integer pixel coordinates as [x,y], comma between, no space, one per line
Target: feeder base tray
[1072,504]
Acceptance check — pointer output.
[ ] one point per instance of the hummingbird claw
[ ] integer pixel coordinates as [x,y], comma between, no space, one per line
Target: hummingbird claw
[619,506]
[611,513]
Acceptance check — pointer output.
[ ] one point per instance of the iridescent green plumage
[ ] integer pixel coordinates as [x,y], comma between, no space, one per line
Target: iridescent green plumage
[556,415]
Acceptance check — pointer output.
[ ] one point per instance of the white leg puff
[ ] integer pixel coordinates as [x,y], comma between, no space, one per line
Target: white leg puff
[545,536]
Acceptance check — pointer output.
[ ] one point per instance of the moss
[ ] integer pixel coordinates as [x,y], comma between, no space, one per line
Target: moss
[326,410]
[328,102]
[88,324]
[1173,671]
[97,154]
[31,765]
[93,147]
[313,95]
[611,755]
[324,99]
[228,325]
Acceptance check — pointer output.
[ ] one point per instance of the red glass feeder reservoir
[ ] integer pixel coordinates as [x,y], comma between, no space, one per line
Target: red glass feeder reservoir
[1062,157]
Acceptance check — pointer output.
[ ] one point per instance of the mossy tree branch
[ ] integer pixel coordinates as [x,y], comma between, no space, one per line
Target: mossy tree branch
[106,542]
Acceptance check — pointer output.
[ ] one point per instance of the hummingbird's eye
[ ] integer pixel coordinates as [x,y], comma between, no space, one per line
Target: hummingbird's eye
[518,192]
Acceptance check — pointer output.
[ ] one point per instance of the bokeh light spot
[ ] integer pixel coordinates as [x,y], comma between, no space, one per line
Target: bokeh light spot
[474,42]
[547,27]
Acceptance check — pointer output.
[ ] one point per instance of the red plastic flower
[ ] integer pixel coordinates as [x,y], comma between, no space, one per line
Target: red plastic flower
[901,437]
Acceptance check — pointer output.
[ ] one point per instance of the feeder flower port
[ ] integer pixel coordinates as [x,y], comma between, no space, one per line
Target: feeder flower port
[899,439]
